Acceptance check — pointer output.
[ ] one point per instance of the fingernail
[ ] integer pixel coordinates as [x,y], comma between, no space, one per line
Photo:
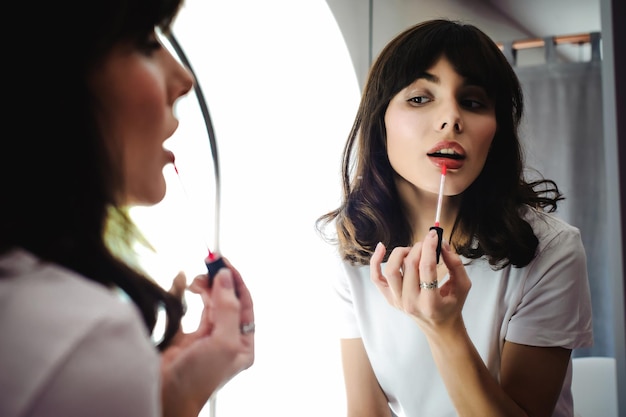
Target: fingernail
[432,233]
[445,245]
[228,281]
[378,245]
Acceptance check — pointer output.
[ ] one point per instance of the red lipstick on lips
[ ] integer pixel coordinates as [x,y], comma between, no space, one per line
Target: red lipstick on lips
[450,154]
[447,162]
[170,157]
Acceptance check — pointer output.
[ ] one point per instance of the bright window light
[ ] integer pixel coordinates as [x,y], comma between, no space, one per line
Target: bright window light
[282,93]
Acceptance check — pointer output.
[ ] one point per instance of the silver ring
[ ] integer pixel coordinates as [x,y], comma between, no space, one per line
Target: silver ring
[247,328]
[429,285]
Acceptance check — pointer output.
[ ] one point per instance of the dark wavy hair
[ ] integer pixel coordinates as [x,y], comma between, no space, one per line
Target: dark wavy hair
[489,221]
[59,180]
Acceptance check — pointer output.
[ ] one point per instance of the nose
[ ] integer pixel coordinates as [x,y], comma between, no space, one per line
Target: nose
[449,119]
[456,126]
[185,80]
[181,79]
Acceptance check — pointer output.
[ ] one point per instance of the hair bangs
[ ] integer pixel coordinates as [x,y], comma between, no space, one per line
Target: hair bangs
[474,58]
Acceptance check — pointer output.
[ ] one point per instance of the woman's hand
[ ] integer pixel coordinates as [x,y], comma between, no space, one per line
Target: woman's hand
[409,282]
[200,362]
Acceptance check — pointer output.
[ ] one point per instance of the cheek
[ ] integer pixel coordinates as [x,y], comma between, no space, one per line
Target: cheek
[144,111]
[402,132]
[142,134]
[396,143]
[137,96]
[485,134]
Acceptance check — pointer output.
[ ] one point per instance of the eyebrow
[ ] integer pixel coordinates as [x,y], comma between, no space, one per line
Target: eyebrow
[467,82]
[429,77]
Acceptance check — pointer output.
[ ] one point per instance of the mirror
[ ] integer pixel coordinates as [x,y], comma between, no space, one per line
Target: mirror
[368,25]
[283,82]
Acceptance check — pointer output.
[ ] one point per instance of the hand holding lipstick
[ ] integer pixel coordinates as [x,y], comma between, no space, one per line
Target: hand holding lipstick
[407,270]
[199,363]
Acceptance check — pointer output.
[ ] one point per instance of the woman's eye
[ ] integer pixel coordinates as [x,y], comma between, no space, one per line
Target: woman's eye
[420,100]
[472,103]
[149,44]
[475,98]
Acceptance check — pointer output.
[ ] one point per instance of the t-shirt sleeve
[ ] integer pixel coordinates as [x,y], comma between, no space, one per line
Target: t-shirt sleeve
[555,309]
[346,325]
[113,370]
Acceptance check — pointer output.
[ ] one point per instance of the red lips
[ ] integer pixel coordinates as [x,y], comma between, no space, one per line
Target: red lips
[447,153]
[450,163]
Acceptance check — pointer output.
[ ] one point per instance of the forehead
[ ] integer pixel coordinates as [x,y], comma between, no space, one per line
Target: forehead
[442,68]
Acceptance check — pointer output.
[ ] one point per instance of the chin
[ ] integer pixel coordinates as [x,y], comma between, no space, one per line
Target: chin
[156,200]
[147,199]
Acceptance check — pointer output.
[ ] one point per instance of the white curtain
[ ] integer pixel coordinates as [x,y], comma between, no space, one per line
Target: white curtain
[562,135]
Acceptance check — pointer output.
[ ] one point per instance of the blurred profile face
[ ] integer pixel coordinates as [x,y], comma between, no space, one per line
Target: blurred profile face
[137,85]
[441,118]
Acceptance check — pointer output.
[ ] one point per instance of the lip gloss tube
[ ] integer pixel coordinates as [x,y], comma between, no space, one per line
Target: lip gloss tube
[436,227]
[213,264]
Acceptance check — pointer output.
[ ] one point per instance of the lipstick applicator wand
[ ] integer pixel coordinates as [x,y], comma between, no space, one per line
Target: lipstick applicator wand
[213,261]
[436,227]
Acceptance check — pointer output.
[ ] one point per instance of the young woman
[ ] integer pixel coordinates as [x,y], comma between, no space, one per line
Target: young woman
[488,329]
[92,94]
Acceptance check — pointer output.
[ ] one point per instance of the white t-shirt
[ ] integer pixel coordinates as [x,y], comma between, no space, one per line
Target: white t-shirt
[71,347]
[546,303]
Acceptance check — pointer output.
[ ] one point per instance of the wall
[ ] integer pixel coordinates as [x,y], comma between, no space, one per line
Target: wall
[614,93]
[367,25]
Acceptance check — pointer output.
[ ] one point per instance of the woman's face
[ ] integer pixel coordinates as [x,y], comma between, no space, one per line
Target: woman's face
[441,118]
[136,86]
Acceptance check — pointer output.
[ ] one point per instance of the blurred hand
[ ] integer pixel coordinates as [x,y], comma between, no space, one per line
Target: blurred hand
[200,362]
